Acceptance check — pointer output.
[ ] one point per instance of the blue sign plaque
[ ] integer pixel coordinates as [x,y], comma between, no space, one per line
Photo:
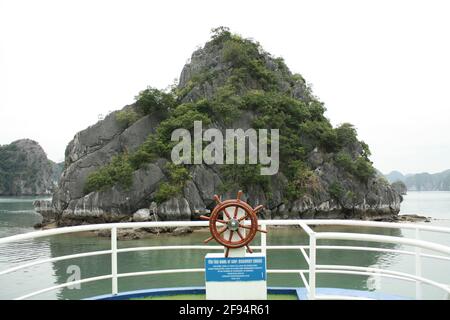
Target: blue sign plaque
[235,269]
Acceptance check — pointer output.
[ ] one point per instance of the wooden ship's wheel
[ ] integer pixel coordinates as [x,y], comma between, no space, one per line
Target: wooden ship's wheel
[232,223]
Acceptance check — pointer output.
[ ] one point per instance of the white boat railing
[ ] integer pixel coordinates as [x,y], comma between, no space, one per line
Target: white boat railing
[309,252]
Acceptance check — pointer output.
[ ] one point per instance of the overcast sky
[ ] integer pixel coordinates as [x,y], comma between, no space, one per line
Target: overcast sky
[382,65]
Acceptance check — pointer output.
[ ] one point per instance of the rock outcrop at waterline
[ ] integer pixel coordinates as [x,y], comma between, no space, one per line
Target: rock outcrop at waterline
[26,170]
[324,171]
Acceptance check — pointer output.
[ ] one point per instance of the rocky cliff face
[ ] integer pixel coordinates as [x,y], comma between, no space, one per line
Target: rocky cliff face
[330,189]
[90,150]
[25,169]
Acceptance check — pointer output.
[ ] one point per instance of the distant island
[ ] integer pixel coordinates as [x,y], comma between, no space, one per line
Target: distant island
[26,170]
[422,181]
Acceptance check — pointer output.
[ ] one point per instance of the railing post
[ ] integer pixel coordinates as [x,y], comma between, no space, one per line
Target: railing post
[312,266]
[418,267]
[115,289]
[263,240]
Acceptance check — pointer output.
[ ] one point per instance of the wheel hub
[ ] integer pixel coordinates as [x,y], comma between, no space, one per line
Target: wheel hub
[233,224]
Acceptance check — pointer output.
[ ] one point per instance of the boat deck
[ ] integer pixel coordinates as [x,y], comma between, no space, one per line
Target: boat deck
[276,293]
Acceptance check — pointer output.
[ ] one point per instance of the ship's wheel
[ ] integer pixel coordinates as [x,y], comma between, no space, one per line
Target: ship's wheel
[232,223]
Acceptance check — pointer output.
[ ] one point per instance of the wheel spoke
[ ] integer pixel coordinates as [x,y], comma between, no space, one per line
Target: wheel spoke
[208,240]
[219,232]
[235,212]
[229,239]
[247,227]
[231,235]
[226,214]
[216,197]
[223,230]
[258,208]
[217,220]
[243,218]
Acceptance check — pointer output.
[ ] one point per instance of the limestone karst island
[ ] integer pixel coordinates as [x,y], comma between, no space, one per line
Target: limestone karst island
[123,163]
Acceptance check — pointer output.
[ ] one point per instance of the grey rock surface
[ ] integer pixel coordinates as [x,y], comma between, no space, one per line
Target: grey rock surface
[182,230]
[174,209]
[141,215]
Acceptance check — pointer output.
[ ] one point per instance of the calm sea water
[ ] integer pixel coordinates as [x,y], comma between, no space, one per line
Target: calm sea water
[17,216]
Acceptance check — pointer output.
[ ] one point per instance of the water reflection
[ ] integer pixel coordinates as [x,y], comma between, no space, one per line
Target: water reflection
[355,258]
